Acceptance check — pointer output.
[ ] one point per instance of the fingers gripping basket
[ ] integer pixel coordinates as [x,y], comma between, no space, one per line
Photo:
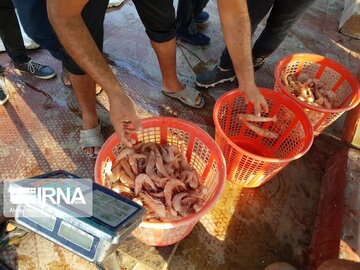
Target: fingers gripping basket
[250,158]
[202,153]
[336,77]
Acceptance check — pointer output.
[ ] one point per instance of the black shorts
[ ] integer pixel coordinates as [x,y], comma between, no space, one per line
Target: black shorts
[158,17]
[93,15]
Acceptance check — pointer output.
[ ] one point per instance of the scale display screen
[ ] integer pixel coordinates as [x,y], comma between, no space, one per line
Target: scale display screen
[75,236]
[41,218]
[110,210]
[93,237]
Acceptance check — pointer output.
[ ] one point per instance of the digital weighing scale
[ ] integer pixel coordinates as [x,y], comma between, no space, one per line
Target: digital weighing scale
[93,238]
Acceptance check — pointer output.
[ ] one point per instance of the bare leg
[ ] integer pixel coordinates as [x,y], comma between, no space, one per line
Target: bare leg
[166,55]
[84,87]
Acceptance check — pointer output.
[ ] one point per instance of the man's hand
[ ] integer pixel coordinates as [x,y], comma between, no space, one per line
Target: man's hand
[124,118]
[253,95]
[237,33]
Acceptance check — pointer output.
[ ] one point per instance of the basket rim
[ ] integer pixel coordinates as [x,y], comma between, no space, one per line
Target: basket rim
[217,190]
[286,60]
[308,129]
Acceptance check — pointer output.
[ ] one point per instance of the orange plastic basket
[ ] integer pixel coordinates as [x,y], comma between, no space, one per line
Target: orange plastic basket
[337,78]
[252,159]
[202,153]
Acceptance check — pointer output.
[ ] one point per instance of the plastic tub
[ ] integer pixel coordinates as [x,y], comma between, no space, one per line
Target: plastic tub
[252,159]
[337,78]
[202,153]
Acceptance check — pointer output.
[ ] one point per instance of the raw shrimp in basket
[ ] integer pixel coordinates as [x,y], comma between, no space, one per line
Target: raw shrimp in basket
[159,177]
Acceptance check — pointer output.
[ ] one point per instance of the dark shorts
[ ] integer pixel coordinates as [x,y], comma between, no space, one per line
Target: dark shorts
[33,16]
[158,17]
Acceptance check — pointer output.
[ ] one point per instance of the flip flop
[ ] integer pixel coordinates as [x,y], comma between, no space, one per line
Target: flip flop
[91,138]
[187,96]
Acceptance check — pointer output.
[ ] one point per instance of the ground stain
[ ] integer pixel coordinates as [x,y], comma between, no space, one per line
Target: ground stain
[26,262]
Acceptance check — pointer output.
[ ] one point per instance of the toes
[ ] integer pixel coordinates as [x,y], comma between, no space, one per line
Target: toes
[96,150]
[198,100]
[89,151]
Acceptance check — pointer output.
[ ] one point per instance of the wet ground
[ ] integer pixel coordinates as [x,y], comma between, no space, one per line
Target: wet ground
[249,228]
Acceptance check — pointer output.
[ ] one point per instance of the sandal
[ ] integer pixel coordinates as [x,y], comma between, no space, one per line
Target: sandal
[187,96]
[91,138]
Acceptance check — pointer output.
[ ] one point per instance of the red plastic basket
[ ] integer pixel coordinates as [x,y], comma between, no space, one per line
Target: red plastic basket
[337,78]
[202,153]
[251,159]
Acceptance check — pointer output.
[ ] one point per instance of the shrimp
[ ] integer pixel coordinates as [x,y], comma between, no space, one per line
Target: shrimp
[177,204]
[197,206]
[169,169]
[189,201]
[254,118]
[142,179]
[188,177]
[137,146]
[169,188]
[124,163]
[142,165]
[133,162]
[125,153]
[121,188]
[167,153]
[154,205]
[138,201]
[183,161]
[150,171]
[160,163]
[160,194]
[199,193]
[260,131]
[147,147]
[127,180]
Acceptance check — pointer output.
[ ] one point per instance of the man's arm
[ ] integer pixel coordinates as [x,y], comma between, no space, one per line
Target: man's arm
[237,33]
[65,17]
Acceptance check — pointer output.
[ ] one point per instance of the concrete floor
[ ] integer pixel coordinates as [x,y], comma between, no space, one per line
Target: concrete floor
[249,228]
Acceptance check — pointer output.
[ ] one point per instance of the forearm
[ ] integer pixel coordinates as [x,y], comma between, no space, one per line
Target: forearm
[237,33]
[78,43]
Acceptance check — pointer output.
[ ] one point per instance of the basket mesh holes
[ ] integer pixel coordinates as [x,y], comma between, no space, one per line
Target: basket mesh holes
[248,168]
[209,179]
[284,119]
[200,156]
[150,135]
[222,115]
[291,68]
[117,149]
[313,116]
[310,69]
[235,125]
[329,121]
[290,144]
[342,93]
[178,137]
[329,77]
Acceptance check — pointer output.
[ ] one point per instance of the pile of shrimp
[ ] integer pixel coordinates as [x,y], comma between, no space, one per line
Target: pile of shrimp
[310,90]
[158,177]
